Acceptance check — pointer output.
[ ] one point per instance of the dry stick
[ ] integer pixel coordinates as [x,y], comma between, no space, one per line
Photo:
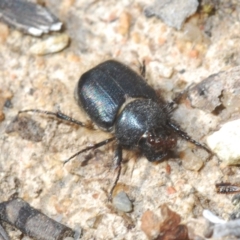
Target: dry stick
[32,222]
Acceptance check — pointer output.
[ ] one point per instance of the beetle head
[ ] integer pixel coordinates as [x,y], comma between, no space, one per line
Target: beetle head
[155,144]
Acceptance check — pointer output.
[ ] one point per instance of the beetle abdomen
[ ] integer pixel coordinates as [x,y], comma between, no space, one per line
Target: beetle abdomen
[102,91]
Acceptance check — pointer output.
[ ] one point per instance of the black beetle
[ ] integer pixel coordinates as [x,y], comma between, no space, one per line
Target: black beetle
[119,100]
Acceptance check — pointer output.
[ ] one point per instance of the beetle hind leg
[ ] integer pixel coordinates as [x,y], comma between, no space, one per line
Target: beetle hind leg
[58,115]
[117,161]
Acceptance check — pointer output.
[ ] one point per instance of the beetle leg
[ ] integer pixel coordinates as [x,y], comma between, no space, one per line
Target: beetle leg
[117,161]
[173,104]
[58,115]
[143,69]
[95,146]
[185,136]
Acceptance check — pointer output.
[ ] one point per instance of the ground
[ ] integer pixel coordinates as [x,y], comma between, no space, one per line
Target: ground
[31,161]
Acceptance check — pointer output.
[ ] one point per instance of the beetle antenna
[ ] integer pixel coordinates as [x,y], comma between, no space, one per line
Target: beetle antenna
[95,146]
[185,136]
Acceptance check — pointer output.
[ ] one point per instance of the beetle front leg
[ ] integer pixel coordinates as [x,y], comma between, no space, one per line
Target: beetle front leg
[117,161]
[173,104]
[95,146]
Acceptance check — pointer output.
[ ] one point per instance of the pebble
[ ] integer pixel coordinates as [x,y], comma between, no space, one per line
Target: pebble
[2,116]
[228,230]
[50,45]
[225,143]
[173,13]
[191,161]
[165,225]
[150,224]
[122,202]
[28,17]
[124,23]
[4,33]
[212,217]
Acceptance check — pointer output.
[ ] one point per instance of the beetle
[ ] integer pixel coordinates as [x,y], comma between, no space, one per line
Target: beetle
[118,100]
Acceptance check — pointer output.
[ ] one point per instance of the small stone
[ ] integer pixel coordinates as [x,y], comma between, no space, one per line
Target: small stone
[236,200]
[122,202]
[150,224]
[124,23]
[4,33]
[94,222]
[136,37]
[8,104]
[164,226]
[228,230]
[2,116]
[225,143]
[171,190]
[28,17]
[190,161]
[208,229]
[173,13]
[212,217]
[50,45]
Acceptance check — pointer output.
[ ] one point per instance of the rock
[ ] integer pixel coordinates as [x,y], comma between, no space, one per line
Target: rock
[173,13]
[191,161]
[50,45]
[225,143]
[122,202]
[28,17]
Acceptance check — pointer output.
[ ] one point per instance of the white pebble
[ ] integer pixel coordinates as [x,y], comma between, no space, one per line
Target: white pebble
[122,202]
[225,143]
[50,45]
[212,217]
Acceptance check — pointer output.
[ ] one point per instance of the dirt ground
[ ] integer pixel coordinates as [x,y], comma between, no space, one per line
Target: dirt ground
[76,194]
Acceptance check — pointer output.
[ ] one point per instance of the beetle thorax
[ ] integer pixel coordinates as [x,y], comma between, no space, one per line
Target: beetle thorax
[138,117]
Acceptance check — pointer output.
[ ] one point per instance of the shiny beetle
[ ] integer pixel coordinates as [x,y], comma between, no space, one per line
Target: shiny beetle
[119,100]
